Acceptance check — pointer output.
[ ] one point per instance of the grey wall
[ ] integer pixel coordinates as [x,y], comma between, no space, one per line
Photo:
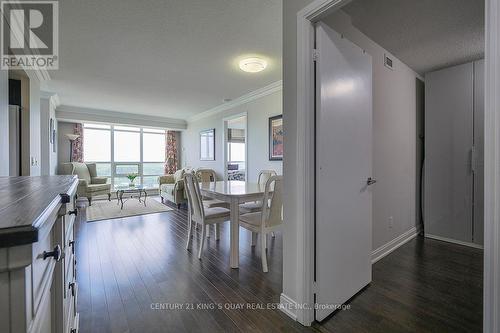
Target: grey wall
[394,137]
[290,9]
[63,128]
[258,112]
[48,159]
[4,123]
[393,140]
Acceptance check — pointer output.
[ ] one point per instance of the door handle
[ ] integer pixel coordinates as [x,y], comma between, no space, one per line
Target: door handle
[370,181]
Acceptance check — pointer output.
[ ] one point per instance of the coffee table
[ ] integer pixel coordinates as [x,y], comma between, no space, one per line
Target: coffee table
[141,190]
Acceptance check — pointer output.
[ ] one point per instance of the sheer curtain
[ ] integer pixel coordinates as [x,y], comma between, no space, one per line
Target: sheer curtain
[170,152]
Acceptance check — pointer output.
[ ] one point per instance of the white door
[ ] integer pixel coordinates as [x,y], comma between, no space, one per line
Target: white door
[343,166]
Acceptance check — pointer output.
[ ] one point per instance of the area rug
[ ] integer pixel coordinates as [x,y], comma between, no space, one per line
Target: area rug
[106,210]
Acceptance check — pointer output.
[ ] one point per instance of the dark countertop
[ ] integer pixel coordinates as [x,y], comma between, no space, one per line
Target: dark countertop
[23,203]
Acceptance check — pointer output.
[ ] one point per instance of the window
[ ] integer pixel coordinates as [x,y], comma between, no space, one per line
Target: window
[121,150]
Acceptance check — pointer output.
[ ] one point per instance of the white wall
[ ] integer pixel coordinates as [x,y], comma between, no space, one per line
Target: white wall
[4,123]
[48,157]
[258,112]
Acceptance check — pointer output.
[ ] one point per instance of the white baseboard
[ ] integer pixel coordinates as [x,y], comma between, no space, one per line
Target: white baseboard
[387,248]
[288,306]
[449,240]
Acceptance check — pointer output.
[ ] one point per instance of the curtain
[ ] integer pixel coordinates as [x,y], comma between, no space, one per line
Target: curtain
[170,152]
[78,144]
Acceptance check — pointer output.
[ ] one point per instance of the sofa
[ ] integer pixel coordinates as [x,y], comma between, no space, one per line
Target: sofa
[89,184]
[171,187]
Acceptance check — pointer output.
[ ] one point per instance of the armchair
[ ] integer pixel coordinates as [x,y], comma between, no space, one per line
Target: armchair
[89,185]
[172,187]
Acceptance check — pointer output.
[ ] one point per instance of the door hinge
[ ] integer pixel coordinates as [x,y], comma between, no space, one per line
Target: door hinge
[315,54]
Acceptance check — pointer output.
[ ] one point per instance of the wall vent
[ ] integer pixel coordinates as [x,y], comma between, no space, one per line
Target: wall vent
[388,62]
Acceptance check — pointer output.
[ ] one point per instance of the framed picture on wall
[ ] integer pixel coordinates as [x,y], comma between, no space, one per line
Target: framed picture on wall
[207,145]
[276,138]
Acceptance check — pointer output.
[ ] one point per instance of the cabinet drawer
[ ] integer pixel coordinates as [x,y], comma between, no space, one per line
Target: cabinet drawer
[46,253]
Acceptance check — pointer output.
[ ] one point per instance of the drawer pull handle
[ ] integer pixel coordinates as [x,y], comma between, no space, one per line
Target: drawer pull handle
[73,212]
[72,244]
[72,287]
[56,253]
[73,330]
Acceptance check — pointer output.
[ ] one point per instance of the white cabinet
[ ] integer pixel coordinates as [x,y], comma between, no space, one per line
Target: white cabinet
[37,279]
[454,109]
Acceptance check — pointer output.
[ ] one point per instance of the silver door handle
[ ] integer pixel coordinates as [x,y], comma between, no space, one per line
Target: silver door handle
[370,181]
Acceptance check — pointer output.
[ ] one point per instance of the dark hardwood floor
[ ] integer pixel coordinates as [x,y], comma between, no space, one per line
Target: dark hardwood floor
[130,269]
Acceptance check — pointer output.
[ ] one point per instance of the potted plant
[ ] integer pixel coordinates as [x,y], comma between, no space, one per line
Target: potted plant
[132,177]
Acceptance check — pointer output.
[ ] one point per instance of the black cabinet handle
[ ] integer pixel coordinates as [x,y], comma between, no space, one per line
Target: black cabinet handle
[73,212]
[56,253]
[72,287]
[72,244]
[73,330]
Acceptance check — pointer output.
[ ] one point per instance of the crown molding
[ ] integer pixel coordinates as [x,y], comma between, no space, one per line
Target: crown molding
[252,96]
[52,97]
[81,114]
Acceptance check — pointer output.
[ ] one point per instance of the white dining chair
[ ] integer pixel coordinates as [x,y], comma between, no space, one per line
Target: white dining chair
[199,214]
[251,207]
[270,218]
[208,176]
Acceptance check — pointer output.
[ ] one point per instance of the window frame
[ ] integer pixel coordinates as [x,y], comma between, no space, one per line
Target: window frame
[112,162]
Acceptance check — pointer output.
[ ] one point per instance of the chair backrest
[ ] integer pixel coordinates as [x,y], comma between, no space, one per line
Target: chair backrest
[206,175]
[194,196]
[92,169]
[264,175]
[272,214]
[82,171]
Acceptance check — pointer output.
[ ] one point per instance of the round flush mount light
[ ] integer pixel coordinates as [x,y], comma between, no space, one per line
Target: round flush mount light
[253,65]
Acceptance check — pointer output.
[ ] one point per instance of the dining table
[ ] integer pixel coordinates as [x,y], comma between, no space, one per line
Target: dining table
[234,192]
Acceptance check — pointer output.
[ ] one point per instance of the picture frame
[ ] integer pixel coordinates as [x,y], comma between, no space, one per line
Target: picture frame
[276,138]
[207,145]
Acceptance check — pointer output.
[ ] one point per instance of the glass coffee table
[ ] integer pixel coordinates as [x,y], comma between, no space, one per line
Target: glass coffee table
[140,190]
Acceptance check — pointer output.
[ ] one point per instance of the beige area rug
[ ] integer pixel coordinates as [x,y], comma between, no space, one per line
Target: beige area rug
[106,210]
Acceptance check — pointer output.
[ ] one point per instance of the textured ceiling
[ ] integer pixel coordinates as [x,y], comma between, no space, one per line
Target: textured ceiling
[170,58]
[425,34]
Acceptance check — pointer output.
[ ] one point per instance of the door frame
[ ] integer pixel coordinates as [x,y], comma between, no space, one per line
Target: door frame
[306,19]
[224,142]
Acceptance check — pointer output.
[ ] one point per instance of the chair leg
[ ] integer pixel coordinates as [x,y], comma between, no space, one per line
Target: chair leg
[178,206]
[217,231]
[90,200]
[162,200]
[202,240]
[254,238]
[263,253]
[109,196]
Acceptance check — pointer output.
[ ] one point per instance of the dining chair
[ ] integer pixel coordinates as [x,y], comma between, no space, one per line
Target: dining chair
[270,218]
[208,176]
[201,215]
[251,207]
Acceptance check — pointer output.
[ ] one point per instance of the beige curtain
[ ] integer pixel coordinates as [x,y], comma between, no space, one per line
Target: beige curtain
[170,152]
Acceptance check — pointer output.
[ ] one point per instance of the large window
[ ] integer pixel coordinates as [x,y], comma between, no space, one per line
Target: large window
[121,150]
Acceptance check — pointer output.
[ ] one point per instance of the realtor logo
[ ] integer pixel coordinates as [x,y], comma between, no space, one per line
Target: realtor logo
[30,35]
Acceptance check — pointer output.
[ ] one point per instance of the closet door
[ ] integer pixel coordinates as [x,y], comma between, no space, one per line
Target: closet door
[448,148]
[478,226]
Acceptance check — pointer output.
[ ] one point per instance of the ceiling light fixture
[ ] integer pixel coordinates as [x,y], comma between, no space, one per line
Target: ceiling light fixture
[253,65]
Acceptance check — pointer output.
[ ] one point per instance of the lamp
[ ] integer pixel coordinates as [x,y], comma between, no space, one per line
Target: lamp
[253,65]
[71,138]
